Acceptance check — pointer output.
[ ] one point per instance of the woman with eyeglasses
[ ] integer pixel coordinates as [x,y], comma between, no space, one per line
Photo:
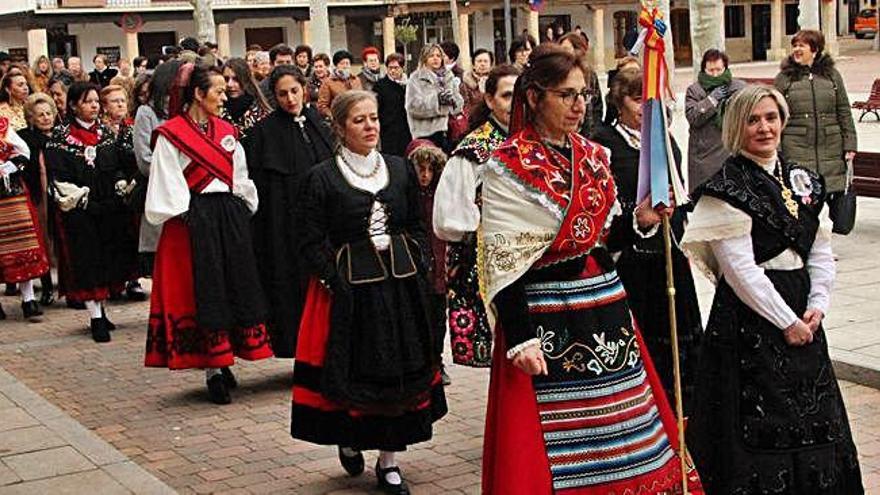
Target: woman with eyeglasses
[639,242]
[575,405]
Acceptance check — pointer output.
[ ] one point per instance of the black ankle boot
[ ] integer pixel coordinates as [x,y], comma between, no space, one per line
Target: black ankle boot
[31,311]
[100,333]
[218,391]
[11,290]
[134,291]
[390,488]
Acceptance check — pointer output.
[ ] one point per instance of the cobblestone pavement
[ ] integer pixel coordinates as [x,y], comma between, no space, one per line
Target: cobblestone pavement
[161,421]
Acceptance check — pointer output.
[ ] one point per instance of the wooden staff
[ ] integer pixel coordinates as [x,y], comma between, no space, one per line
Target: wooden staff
[676,366]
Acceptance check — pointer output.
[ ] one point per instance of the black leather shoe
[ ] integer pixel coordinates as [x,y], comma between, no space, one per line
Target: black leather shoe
[390,488]
[31,311]
[110,325]
[2,313]
[231,382]
[99,330]
[11,290]
[217,390]
[134,292]
[353,465]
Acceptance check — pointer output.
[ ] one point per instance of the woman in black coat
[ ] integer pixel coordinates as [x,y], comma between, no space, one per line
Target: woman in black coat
[283,147]
[391,95]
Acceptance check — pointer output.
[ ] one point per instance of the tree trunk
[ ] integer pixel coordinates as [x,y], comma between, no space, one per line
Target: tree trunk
[203,15]
[808,17]
[706,29]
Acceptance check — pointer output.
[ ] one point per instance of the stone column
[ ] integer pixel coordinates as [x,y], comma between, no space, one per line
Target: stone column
[224,45]
[808,18]
[829,27]
[534,28]
[38,44]
[597,41]
[132,49]
[388,35]
[319,26]
[464,45]
[777,32]
[707,29]
[306,32]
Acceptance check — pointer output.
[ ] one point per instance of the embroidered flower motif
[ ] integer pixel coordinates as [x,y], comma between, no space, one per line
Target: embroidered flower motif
[463,321]
[574,363]
[582,228]
[546,337]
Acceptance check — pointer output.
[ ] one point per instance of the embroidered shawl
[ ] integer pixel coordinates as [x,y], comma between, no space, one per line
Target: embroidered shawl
[539,208]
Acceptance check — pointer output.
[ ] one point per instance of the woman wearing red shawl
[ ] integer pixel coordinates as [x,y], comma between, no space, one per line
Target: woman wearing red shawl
[575,405]
[23,254]
[207,304]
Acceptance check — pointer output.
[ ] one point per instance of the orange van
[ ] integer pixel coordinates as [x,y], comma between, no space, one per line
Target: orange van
[866,24]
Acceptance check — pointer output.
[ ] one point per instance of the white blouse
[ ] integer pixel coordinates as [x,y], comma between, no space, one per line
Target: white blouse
[718,240]
[455,211]
[168,194]
[347,160]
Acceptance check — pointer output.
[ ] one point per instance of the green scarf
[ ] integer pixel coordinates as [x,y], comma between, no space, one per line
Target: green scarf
[708,83]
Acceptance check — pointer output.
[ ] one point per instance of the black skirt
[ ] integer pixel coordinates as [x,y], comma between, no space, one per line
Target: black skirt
[769,417]
[225,280]
[644,278]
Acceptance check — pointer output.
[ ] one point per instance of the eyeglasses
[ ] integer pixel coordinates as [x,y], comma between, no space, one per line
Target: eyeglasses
[568,96]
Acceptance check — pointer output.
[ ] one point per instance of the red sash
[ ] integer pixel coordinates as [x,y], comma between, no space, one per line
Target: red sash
[208,150]
[585,191]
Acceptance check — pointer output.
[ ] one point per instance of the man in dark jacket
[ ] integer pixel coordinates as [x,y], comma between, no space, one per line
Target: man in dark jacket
[391,95]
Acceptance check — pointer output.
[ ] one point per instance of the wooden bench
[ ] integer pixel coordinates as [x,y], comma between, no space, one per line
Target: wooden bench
[872,105]
[866,174]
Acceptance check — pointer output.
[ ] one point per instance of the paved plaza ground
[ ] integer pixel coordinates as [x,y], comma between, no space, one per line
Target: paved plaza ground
[77,417]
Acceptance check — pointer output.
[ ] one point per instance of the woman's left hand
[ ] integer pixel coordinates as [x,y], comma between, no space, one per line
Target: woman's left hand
[813,318]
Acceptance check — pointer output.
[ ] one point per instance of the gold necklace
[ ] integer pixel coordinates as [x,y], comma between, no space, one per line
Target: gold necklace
[787,196]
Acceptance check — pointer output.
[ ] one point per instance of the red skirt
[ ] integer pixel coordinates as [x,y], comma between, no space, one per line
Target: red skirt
[514,440]
[173,338]
[22,244]
[318,420]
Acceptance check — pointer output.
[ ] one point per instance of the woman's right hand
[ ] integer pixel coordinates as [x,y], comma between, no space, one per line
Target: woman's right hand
[531,361]
[798,334]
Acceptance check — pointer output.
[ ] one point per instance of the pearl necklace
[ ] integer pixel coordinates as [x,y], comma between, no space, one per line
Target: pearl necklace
[353,170]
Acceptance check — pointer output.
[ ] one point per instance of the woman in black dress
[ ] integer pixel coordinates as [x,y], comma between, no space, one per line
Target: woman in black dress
[83,162]
[283,148]
[642,261]
[770,418]
[366,374]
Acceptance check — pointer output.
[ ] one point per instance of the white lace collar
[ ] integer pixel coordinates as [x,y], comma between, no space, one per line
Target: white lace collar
[361,163]
[632,136]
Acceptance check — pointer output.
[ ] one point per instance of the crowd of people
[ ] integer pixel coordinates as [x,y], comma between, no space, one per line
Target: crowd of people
[285,206]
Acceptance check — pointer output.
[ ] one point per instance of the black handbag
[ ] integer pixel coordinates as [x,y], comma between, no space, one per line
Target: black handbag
[842,206]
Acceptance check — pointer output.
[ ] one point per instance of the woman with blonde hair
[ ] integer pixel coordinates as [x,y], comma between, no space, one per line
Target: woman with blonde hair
[770,418]
[366,375]
[42,70]
[432,96]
